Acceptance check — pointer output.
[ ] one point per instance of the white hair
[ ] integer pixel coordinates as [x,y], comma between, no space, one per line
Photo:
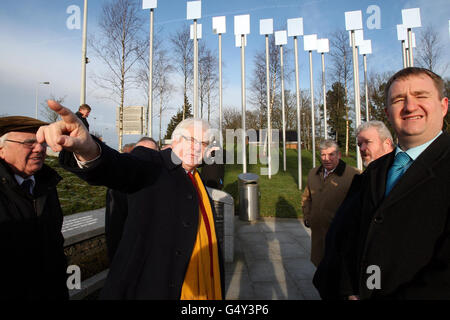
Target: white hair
[328,143]
[381,128]
[197,124]
[3,139]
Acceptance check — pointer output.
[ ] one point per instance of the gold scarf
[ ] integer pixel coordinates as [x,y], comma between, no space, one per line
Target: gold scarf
[202,279]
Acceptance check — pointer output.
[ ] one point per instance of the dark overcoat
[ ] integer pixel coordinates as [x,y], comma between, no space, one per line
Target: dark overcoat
[406,234]
[161,228]
[32,265]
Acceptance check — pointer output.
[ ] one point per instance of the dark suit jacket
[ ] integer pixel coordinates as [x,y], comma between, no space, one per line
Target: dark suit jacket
[84,120]
[407,234]
[161,227]
[116,213]
[332,275]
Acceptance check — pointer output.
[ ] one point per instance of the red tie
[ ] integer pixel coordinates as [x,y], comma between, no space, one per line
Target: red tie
[205,220]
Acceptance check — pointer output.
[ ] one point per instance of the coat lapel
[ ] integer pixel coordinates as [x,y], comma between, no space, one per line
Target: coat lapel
[420,171]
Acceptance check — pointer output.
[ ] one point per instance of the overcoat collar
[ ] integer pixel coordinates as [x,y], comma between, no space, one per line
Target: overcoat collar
[340,168]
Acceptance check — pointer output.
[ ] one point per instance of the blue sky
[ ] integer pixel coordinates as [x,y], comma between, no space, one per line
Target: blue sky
[37,46]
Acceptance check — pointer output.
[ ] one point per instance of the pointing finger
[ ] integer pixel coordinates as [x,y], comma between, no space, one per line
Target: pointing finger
[65,113]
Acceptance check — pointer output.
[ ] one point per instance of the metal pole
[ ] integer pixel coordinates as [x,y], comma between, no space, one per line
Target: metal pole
[410,48]
[404,59]
[269,124]
[244,150]
[195,70]
[313,129]
[324,98]
[299,143]
[356,91]
[83,57]
[37,87]
[220,90]
[150,80]
[283,113]
[366,88]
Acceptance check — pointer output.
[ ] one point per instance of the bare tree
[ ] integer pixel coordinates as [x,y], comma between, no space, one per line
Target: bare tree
[119,46]
[258,87]
[163,86]
[430,50]
[208,77]
[341,70]
[48,114]
[183,49]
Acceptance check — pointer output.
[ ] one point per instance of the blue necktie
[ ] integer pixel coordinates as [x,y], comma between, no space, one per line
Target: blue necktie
[397,170]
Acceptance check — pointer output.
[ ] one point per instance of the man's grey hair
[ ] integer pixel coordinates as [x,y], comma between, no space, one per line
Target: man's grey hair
[198,124]
[381,128]
[328,143]
[3,139]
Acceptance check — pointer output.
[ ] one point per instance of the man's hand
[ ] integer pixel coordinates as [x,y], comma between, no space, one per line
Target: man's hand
[69,134]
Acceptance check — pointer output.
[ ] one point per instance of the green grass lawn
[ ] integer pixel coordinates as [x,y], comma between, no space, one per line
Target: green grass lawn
[280,196]
[75,195]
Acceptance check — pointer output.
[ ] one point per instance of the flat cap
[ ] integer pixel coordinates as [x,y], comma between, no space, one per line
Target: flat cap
[19,123]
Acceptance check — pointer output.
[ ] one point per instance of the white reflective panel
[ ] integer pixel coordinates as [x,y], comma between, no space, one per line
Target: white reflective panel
[193,10]
[280,38]
[295,27]
[359,37]
[366,47]
[242,24]
[149,4]
[411,18]
[310,42]
[402,32]
[413,36]
[238,41]
[353,20]
[323,45]
[219,24]
[199,31]
[266,26]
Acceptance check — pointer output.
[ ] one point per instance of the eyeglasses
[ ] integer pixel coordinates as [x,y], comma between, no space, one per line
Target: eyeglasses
[29,143]
[195,141]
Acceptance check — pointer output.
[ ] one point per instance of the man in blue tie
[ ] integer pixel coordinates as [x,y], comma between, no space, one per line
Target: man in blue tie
[403,246]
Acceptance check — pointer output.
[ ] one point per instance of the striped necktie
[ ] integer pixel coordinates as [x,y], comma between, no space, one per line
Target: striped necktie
[397,170]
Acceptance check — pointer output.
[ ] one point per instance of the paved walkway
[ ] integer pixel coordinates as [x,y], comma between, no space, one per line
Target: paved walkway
[271,261]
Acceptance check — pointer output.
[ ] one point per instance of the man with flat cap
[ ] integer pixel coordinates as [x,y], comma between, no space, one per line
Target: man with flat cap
[33,265]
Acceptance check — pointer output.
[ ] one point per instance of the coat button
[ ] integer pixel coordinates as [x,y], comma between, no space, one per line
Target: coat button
[378,219]
[189,197]
[187,224]
[178,253]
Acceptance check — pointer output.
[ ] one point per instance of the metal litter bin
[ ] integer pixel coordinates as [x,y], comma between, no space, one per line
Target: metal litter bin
[248,196]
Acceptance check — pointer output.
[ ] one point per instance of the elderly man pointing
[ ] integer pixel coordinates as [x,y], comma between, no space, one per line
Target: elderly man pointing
[169,248]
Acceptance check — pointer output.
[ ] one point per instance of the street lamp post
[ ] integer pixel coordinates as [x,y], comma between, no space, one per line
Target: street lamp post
[411,19]
[150,4]
[353,23]
[266,28]
[366,48]
[194,12]
[323,46]
[241,29]
[220,27]
[310,44]
[83,56]
[295,29]
[280,40]
[37,90]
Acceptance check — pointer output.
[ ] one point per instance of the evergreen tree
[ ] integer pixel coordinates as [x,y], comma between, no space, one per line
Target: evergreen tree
[176,119]
[336,113]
